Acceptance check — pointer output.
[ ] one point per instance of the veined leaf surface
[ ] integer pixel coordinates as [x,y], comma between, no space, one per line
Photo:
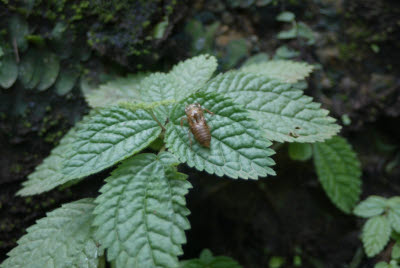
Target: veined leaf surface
[111,135]
[339,172]
[63,238]
[238,147]
[284,70]
[283,112]
[141,214]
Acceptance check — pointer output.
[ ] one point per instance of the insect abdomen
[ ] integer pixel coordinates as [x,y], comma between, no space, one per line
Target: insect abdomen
[202,134]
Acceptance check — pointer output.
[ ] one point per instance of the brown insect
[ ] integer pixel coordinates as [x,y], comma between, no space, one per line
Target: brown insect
[197,124]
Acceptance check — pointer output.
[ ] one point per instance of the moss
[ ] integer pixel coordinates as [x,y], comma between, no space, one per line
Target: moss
[53,137]
[16,168]
[27,124]
[350,51]
[122,30]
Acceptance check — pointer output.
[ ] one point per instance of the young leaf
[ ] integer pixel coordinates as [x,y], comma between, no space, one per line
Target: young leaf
[238,148]
[286,16]
[141,214]
[111,93]
[288,34]
[339,172]
[375,235]
[192,74]
[111,135]
[283,112]
[185,78]
[382,264]
[394,219]
[372,206]
[8,71]
[284,52]
[62,239]
[394,212]
[257,58]
[300,151]
[303,30]
[284,70]
[396,251]
[207,260]
[158,87]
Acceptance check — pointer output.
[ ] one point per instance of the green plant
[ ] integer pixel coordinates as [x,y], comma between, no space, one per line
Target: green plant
[140,215]
[298,29]
[206,259]
[337,167]
[383,222]
[33,65]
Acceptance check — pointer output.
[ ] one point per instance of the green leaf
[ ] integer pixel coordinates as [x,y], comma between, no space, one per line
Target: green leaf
[27,67]
[394,202]
[158,87]
[160,29]
[8,71]
[48,175]
[276,262]
[372,206]
[300,151]
[257,58]
[284,70]
[62,239]
[236,50]
[286,16]
[396,251]
[115,91]
[238,148]
[282,111]
[192,74]
[375,235]
[382,264]
[392,264]
[110,136]
[141,214]
[18,28]
[284,52]
[207,260]
[394,212]
[66,81]
[339,172]
[51,67]
[303,30]
[37,72]
[288,34]
[394,219]
[185,78]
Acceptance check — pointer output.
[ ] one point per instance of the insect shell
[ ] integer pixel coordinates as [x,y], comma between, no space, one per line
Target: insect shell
[198,124]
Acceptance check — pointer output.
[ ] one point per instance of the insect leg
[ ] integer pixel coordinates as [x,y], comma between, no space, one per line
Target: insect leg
[183,118]
[208,111]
